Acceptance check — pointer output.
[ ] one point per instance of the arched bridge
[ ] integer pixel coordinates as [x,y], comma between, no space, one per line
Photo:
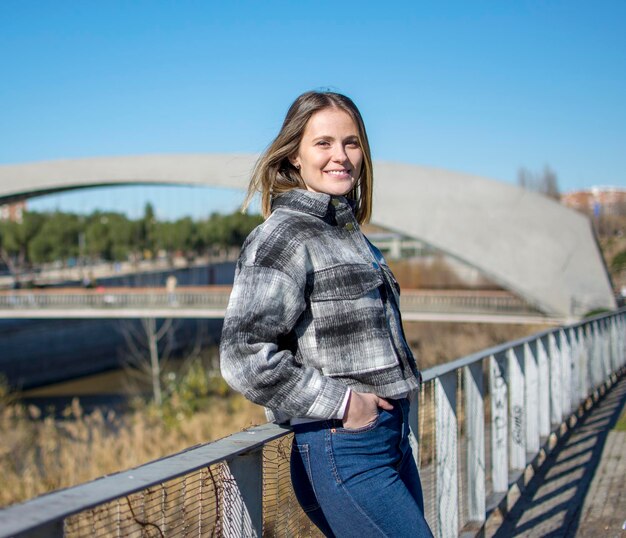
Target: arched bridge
[543,252]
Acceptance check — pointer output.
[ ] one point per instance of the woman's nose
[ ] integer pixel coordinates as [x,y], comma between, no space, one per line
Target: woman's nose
[339,154]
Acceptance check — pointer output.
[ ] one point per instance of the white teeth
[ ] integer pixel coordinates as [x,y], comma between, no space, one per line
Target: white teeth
[337,172]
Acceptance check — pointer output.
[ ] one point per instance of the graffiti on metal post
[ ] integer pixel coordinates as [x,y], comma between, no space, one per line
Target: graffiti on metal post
[499,407]
[517,426]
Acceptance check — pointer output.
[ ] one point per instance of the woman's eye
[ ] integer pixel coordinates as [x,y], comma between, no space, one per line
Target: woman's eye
[353,144]
[323,143]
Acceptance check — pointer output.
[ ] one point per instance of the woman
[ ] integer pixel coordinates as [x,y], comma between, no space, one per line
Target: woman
[313,331]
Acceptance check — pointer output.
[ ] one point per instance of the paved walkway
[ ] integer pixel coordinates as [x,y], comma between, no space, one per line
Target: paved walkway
[604,511]
[580,491]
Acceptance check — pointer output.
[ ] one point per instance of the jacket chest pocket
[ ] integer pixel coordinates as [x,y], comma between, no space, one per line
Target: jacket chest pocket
[344,282]
[348,319]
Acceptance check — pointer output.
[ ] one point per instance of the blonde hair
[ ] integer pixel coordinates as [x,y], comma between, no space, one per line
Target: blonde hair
[274,174]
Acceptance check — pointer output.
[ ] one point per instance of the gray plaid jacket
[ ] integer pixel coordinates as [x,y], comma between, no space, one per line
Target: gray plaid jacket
[313,311]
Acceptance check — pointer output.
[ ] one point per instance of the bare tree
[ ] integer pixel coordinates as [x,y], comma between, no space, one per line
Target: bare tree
[550,184]
[149,348]
[545,182]
[143,352]
[524,178]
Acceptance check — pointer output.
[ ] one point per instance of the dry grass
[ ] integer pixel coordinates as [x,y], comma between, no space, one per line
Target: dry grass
[433,273]
[436,343]
[38,455]
[611,230]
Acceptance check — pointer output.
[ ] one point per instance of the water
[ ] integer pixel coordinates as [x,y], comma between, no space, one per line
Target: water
[111,390]
[39,352]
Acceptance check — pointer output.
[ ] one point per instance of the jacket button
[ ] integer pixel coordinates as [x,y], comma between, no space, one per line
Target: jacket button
[335,202]
[349,226]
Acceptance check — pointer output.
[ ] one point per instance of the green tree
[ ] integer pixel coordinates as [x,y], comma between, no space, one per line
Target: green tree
[176,236]
[147,230]
[121,232]
[98,240]
[46,237]
[57,239]
[231,230]
[16,237]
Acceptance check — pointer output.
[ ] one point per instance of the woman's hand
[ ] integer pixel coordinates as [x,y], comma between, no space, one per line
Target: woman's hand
[362,409]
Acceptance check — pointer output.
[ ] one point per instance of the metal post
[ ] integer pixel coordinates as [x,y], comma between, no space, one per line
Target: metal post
[619,336]
[543,367]
[517,411]
[597,327]
[414,439]
[566,373]
[584,337]
[614,347]
[475,427]
[606,348]
[617,328]
[622,333]
[621,339]
[446,439]
[243,496]
[596,356]
[556,410]
[532,399]
[576,355]
[499,425]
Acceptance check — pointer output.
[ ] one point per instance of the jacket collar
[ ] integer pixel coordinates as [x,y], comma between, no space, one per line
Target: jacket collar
[315,203]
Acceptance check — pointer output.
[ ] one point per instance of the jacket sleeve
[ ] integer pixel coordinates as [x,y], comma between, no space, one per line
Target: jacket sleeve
[264,305]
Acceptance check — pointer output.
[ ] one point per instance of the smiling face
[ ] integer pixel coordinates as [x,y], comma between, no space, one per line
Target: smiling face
[329,156]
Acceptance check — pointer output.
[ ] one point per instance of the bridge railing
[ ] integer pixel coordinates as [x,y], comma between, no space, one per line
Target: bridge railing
[463,301]
[481,421]
[209,297]
[458,301]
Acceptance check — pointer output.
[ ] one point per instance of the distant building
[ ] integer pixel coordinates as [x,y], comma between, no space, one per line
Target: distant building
[13,212]
[597,201]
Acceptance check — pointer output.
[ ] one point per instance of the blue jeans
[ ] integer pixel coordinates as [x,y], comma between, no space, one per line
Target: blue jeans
[359,482]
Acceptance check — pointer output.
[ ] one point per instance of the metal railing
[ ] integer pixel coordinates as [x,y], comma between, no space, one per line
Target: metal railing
[482,420]
[205,297]
[216,297]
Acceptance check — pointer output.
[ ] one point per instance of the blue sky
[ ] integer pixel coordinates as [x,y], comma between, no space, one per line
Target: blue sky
[482,87]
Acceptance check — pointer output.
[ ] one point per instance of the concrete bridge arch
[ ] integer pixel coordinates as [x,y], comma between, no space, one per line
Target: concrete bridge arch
[529,244]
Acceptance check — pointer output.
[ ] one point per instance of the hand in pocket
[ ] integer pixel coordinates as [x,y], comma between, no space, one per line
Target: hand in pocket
[362,409]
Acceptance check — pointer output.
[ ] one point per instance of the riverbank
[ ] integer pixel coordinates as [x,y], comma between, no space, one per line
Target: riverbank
[42,450]
[40,453]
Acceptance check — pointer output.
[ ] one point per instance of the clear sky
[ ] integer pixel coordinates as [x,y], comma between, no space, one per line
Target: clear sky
[482,87]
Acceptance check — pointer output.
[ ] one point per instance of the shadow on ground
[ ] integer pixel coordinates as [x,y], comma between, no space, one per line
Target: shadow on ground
[552,504]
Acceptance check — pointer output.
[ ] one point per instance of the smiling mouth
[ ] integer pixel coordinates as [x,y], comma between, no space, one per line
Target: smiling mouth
[338,173]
